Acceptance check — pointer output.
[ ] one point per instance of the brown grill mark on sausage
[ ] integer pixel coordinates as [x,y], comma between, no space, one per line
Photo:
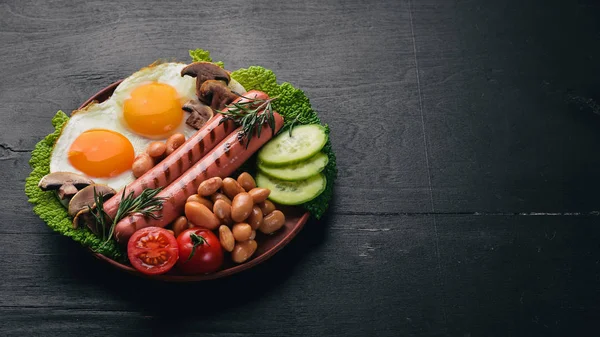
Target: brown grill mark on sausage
[211,135]
[167,171]
[227,148]
[188,187]
[156,182]
[182,186]
[180,166]
[144,185]
[216,157]
[201,145]
[190,157]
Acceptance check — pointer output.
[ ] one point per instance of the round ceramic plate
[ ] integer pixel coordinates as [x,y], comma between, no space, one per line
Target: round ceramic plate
[267,244]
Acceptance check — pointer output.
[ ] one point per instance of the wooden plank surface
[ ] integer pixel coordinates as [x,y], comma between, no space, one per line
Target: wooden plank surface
[466,137]
[500,84]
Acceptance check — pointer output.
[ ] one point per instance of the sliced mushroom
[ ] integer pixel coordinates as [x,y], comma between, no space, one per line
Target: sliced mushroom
[66,183]
[204,71]
[67,191]
[85,197]
[199,113]
[216,94]
[85,218]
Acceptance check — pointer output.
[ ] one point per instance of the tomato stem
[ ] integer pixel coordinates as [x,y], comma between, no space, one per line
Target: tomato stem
[197,240]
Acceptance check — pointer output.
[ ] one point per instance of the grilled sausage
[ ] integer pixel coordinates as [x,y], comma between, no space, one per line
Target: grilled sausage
[174,165]
[222,161]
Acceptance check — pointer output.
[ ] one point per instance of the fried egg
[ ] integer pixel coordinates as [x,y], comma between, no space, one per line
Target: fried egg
[102,140]
[149,101]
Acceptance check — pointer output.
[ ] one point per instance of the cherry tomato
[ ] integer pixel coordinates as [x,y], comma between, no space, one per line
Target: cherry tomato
[200,251]
[152,250]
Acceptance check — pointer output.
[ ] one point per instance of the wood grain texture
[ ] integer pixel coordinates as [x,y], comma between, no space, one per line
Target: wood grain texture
[274,298]
[497,82]
[466,137]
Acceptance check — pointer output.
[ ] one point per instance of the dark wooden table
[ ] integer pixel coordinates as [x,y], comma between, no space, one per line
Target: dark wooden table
[467,136]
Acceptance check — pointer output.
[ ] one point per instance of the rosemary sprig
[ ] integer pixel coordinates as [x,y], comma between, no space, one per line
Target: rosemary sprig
[250,115]
[146,204]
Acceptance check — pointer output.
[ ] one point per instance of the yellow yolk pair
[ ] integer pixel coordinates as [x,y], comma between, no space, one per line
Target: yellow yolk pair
[153,110]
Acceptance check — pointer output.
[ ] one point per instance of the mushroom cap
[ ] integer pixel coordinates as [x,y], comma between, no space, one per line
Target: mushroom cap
[56,180]
[85,197]
[199,113]
[204,71]
[66,191]
[216,94]
[84,218]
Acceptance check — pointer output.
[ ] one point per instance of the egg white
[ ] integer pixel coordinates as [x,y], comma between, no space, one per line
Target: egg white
[108,115]
[166,73]
[94,116]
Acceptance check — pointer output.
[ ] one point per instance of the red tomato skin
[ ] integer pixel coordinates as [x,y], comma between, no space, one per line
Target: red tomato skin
[171,249]
[208,258]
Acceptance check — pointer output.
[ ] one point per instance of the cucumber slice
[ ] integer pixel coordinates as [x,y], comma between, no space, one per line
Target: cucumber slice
[299,171]
[305,142]
[292,192]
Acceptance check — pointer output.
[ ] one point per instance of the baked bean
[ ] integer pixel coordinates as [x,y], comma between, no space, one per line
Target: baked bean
[259,194]
[241,231]
[243,250]
[200,215]
[203,201]
[231,187]
[253,235]
[266,207]
[223,211]
[241,207]
[210,186]
[156,149]
[220,196]
[142,164]
[255,218]
[272,222]
[173,142]
[179,225]
[226,238]
[246,181]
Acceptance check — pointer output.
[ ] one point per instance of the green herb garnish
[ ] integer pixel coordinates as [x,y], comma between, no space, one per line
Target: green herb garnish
[146,204]
[250,115]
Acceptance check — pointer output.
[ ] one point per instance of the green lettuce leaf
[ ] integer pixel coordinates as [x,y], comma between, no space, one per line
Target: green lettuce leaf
[200,55]
[293,105]
[47,205]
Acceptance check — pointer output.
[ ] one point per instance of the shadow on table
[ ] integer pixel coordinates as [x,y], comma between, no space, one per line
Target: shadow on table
[201,300]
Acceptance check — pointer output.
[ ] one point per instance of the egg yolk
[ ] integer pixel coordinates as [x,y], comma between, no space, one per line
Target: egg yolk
[101,153]
[153,109]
